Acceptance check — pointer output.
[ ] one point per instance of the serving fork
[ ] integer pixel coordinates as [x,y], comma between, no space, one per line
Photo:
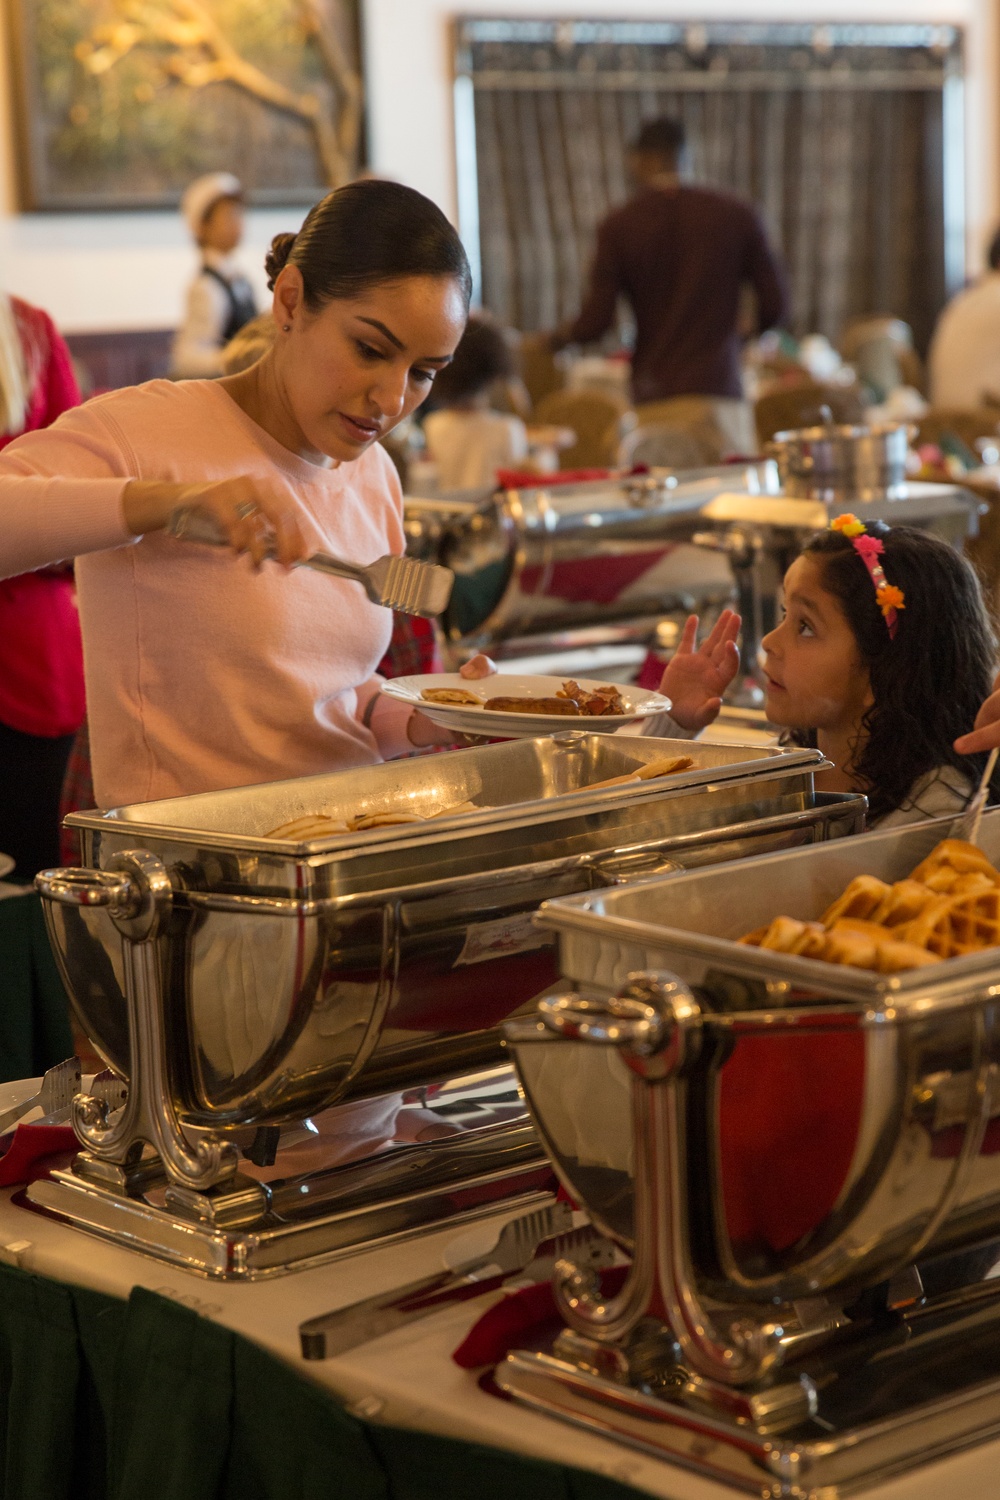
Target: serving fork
[54,1097]
[402,583]
[530,1245]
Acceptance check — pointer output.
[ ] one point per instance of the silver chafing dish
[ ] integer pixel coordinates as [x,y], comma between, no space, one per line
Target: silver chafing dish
[803,1161]
[560,568]
[240,982]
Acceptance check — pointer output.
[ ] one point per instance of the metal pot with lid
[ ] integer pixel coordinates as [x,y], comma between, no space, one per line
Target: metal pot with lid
[838,464]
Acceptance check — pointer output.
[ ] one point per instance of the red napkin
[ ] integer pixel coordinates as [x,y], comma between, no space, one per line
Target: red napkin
[520,1317]
[31,1147]
[521,479]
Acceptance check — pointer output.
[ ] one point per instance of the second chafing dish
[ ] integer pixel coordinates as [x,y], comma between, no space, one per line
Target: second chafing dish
[840,1122]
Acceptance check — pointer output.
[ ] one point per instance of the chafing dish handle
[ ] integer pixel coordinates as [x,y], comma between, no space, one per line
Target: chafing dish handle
[79,887]
[656,1024]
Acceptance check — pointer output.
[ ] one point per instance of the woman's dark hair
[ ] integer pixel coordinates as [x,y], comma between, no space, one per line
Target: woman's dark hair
[483,355]
[367,233]
[927,681]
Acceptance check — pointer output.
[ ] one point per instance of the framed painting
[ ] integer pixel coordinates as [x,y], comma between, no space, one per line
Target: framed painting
[120,103]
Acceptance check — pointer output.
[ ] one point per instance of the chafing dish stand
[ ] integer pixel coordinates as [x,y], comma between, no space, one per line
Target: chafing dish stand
[803,1161]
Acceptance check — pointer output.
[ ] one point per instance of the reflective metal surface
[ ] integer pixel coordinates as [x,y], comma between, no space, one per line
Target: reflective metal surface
[837,464]
[837,1124]
[293,975]
[549,559]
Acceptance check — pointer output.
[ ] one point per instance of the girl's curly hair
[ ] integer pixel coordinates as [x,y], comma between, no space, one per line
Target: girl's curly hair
[927,681]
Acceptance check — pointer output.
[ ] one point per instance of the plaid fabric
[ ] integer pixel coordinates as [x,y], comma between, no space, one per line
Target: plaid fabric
[77,794]
[412,650]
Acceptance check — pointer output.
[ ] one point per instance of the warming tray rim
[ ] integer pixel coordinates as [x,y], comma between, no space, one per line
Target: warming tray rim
[772,764]
[910,991]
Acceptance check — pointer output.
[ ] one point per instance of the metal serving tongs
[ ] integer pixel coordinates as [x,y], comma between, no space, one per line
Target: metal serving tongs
[968,828]
[414,588]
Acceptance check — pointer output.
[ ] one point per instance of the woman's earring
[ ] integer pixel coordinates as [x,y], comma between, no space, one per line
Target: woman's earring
[286,327]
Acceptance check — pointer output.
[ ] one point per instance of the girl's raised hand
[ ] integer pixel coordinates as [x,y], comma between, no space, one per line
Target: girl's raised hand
[696,676]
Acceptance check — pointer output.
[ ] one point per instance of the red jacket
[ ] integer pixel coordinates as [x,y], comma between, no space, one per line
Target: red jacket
[41,655]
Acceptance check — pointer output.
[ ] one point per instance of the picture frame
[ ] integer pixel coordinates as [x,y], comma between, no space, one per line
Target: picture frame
[121,103]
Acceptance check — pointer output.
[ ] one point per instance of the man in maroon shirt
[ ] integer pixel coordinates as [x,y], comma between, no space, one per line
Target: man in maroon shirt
[681,255]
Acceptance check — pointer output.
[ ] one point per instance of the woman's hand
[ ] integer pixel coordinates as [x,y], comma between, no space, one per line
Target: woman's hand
[422,732]
[985,734]
[695,679]
[251,518]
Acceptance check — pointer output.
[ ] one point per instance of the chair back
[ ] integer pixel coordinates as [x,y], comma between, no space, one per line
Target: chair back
[595,417]
[802,406]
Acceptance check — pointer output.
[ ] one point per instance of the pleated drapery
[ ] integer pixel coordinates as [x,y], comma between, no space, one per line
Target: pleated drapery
[846,162]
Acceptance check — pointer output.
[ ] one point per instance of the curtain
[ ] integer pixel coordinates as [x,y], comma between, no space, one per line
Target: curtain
[846,164]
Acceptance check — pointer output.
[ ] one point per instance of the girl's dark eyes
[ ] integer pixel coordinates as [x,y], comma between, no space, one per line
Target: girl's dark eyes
[426,377]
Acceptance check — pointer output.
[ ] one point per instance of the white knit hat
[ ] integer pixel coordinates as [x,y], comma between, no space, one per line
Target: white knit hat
[201,196]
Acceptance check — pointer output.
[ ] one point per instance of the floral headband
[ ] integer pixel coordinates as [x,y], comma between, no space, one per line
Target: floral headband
[889,599]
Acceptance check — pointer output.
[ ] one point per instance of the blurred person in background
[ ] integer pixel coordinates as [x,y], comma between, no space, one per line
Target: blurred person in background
[220,299]
[466,440]
[41,657]
[964,356]
[681,255]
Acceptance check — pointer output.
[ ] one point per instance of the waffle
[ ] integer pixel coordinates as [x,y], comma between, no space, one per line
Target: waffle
[948,907]
[863,896]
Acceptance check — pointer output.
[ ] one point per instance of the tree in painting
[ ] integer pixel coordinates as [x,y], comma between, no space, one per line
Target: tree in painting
[158,90]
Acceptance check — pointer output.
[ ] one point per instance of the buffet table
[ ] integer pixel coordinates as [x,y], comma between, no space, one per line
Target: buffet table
[183,1388]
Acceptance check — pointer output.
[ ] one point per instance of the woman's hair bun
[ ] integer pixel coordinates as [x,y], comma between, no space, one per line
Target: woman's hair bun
[277,257]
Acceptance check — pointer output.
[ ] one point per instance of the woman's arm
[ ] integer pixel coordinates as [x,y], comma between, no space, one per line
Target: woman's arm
[70,490]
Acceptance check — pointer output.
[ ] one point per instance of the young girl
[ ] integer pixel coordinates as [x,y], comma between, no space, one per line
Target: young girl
[882,659]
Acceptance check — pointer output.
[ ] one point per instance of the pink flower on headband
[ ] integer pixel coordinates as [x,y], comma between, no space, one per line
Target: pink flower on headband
[867,546]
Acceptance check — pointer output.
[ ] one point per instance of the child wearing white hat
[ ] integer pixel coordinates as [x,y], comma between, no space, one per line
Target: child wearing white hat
[220,299]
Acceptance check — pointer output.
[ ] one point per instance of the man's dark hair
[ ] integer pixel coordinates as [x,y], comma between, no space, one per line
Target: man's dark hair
[662,137]
[993,253]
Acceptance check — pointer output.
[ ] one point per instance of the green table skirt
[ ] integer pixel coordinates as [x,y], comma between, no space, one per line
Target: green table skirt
[34,1011]
[146,1400]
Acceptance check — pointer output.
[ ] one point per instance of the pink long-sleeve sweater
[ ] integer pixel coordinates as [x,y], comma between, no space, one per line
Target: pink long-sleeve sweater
[202,673]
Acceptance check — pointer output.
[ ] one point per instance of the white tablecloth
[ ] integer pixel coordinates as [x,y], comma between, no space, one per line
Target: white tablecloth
[408,1378]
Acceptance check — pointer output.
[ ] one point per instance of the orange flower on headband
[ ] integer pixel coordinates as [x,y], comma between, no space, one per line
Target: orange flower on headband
[889,597]
[847,525]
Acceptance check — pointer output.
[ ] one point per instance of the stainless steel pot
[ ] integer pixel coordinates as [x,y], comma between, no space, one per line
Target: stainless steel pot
[842,464]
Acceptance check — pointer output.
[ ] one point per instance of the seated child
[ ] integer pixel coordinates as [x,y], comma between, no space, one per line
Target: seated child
[882,659]
[465,439]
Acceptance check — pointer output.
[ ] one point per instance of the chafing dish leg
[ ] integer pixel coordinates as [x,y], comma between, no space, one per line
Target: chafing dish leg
[656,1024]
[137,893]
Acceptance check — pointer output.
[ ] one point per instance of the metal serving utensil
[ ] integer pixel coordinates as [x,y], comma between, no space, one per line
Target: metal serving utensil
[968,828]
[414,588]
[520,1241]
[54,1097]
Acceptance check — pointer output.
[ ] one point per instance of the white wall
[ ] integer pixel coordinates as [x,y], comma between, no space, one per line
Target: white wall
[95,271]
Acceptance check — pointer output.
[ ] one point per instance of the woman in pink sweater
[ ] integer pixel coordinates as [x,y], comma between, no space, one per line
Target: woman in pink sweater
[206,670]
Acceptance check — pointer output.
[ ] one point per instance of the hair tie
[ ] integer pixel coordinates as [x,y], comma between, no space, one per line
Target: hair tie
[889,599]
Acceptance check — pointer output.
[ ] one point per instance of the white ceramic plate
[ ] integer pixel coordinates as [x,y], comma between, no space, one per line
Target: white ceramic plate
[467,719]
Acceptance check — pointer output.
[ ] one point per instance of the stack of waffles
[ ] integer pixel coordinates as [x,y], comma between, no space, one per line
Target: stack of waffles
[948,906]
